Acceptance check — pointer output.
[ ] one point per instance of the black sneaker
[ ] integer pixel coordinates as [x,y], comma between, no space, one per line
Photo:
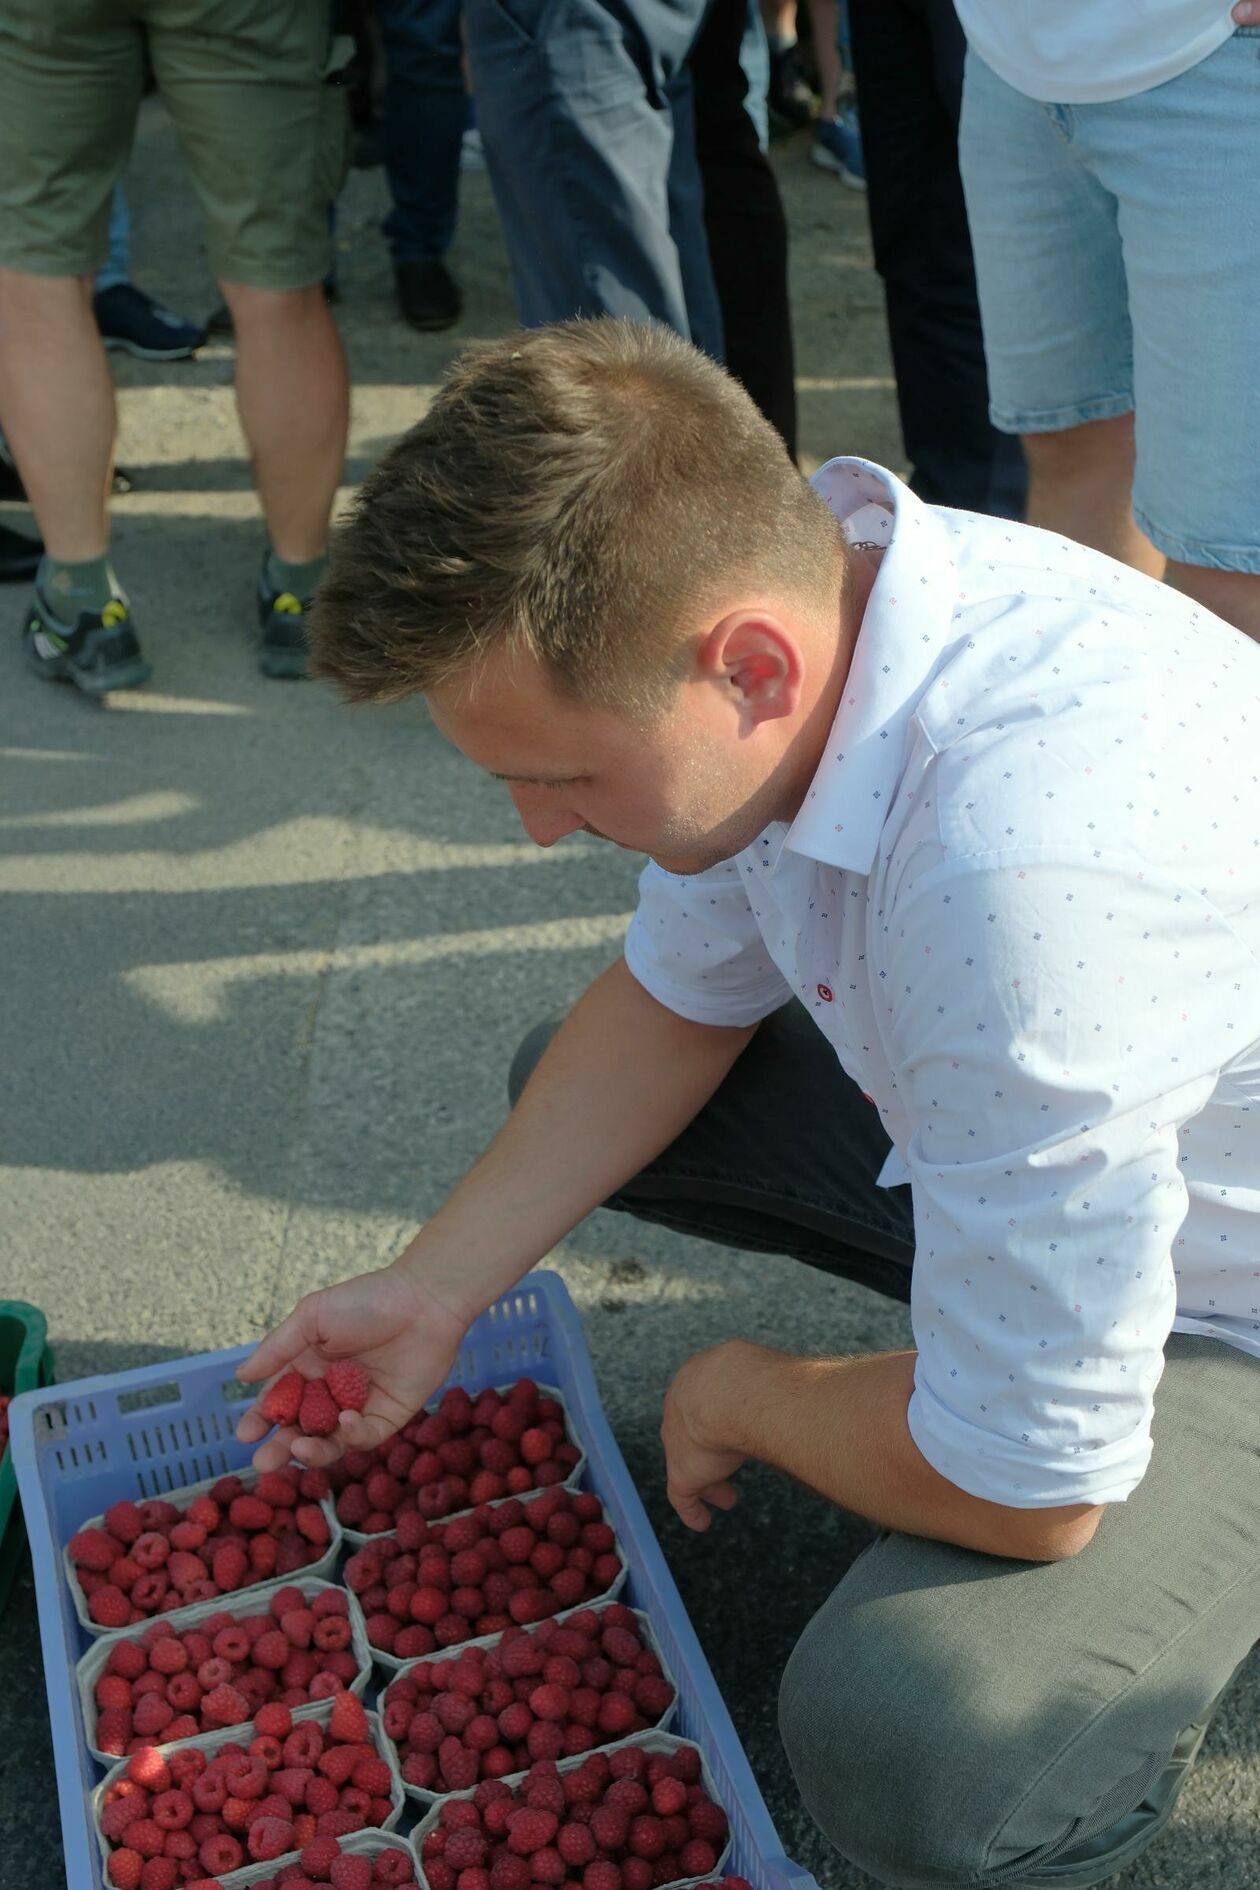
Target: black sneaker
[283,648]
[130,319]
[428,294]
[98,654]
[789,98]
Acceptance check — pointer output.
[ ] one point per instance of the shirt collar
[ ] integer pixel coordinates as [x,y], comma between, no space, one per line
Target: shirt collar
[904,628]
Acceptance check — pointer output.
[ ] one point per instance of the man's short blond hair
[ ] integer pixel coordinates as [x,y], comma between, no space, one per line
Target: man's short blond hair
[585,493]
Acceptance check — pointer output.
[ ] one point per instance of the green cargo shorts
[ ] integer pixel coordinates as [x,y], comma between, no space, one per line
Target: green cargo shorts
[264,137]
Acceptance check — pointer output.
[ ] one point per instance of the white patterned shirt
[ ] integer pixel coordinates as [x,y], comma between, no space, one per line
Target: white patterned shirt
[1021,900]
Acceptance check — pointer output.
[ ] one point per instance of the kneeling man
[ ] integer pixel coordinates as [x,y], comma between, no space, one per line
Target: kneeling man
[943,976]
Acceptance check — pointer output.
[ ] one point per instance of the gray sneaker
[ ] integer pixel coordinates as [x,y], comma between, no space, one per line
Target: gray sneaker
[283,650]
[96,653]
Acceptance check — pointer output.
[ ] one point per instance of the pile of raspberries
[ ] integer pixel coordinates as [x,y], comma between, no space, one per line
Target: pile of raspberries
[313,1405]
[152,1557]
[433,1585]
[166,1685]
[5,1402]
[462,1453]
[323,1861]
[550,1693]
[624,1820]
[182,1818]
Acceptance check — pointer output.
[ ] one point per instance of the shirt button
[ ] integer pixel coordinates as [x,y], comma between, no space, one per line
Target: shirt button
[825,993]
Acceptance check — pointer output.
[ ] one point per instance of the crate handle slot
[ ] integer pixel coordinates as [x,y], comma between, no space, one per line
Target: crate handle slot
[145,1399]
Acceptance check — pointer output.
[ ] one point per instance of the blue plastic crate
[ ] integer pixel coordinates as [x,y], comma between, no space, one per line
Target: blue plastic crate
[79,1447]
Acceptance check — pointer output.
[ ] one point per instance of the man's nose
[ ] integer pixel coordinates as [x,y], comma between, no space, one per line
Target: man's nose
[545,825]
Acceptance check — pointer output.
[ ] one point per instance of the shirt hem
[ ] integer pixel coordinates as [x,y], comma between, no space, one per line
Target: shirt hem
[1043,1483]
[734,1015]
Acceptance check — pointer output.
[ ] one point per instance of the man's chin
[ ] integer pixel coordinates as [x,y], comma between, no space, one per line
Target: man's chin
[687,868]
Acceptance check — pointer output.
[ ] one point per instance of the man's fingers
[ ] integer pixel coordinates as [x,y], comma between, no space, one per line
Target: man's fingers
[364,1430]
[317,1452]
[689,1507]
[721,1495]
[277,1451]
[279,1349]
[252,1426]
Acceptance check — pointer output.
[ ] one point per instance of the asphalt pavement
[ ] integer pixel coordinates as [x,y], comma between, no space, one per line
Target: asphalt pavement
[265,961]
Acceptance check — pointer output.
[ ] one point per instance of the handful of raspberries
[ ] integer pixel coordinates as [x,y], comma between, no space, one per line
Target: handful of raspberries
[185,1817]
[315,1404]
[151,1557]
[324,1862]
[551,1692]
[624,1820]
[463,1452]
[434,1585]
[166,1685]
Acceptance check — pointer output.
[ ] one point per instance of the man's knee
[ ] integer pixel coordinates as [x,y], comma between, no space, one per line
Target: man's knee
[1232,595]
[528,1055]
[904,1773]
[1097,449]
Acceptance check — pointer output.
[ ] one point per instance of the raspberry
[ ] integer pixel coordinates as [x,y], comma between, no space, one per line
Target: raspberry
[351,1873]
[274,1720]
[230,1566]
[281,1402]
[653,1694]
[549,1702]
[268,1838]
[172,1810]
[249,1512]
[458,1766]
[373,1776]
[646,1837]
[318,1857]
[225,1706]
[507,1872]
[708,1820]
[465,1849]
[219,1854]
[669,1795]
[317,1415]
[601,1876]
[617,1714]
[125,1867]
[348,1723]
[109,1607]
[159,1873]
[123,1522]
[698,1858]
[529,1830]
[349,1383]
[534,1446]
[638,1874]
[94,1549]
[576,1844]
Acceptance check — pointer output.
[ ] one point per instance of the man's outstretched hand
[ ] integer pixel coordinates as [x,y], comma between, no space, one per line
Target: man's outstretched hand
[406,1339]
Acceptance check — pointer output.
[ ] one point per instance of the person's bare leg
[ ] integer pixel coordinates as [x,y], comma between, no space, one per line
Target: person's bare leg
[824,27]
[57,402]
[1233,595]
[293,394]
[1080,483]
[779,16]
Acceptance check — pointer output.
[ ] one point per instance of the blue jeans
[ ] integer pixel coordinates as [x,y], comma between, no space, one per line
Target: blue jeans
[585,111]
[1117,251]
[425,112]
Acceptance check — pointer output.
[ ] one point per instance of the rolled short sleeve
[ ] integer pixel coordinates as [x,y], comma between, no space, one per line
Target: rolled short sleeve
[694,944]
[1057,1020]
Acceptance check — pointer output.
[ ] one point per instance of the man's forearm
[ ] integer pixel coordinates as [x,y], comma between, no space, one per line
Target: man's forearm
[621,1078]
[839,1425]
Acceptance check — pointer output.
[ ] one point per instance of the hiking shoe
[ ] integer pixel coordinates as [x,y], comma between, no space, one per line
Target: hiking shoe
[283,648]
[428,294]
[837,147]
[789,98]
[99,653]
[130,319]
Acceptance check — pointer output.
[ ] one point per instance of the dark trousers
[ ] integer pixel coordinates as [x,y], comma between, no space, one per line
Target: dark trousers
[782,1159]
[744,222]
[590,119]
[908,65]
[425,110]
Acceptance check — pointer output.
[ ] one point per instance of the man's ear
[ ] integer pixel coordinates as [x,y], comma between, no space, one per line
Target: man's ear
[757,661]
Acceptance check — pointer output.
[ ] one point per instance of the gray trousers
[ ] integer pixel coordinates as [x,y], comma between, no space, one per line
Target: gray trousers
[954,1719]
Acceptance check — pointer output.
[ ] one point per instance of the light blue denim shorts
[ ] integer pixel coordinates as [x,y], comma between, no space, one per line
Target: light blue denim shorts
[1117,256]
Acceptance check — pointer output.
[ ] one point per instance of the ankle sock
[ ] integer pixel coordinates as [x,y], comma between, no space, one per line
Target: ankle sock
[69,590]
[301,579]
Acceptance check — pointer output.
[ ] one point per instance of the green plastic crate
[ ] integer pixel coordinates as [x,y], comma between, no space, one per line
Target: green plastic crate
[26,1364]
